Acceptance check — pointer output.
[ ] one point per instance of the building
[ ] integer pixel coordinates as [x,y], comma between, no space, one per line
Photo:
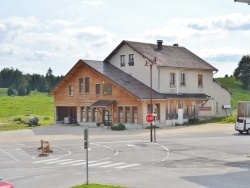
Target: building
[118,88]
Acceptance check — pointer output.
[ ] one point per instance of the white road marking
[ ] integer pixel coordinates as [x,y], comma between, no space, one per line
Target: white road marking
[112,165]
[166,150]
[10,155]
[69,152]
[101,163]
[84,163]
[70,162]
[63,160]
[126,166]
[131,145]
[46,160]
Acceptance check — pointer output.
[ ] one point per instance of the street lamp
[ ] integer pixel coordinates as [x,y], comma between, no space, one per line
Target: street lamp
[151,63]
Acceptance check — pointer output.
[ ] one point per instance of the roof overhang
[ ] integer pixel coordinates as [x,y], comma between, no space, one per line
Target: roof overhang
[193,96]
[103,103]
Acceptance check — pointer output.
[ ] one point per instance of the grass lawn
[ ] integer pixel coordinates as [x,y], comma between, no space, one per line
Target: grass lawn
[16,110]
[96,186]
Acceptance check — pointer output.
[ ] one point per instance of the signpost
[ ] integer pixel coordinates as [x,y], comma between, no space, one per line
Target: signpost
[86,146]
[150,118]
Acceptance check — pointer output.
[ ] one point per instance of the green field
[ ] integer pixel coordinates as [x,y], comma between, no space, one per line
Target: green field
[16,110]
[239,94]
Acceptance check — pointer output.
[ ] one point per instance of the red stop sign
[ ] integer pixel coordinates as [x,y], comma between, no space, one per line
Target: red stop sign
[150,118]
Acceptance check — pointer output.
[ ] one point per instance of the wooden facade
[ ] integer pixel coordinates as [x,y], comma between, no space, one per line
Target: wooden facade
[75,100]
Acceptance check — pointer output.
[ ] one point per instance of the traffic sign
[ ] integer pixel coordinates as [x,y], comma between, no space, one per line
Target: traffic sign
[150,118]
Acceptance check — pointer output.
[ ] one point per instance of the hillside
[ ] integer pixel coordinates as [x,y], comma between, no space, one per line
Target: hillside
[15,110]
[239,94]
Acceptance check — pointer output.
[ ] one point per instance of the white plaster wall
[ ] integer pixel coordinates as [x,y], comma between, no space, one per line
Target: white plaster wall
[222,96]
[191,81]
[139,71]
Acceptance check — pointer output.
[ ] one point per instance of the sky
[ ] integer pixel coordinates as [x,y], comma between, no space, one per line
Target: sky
[38,35]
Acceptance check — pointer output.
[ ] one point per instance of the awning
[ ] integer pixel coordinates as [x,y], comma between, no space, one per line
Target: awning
[103,103]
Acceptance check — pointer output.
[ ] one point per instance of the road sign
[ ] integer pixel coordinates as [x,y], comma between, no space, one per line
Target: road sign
[150,118]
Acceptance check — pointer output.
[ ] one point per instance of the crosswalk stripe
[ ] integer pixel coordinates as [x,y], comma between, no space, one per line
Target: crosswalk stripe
[101,163]
[111,165]
[51,162]
[126,166]
[76,161]
[46,160]
[84,163]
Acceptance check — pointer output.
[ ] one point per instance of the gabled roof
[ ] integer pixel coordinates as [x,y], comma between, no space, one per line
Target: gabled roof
[124,80]
[216,81]
[169,56]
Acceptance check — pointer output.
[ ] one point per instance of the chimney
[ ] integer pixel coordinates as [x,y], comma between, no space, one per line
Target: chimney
[176,44]
[159,44]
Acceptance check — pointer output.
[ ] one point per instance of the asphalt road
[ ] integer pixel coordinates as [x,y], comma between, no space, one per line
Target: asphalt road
[195,156]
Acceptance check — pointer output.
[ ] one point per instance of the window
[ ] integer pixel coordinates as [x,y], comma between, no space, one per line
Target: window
[131,60]
[172,79]
[122,60]
[200,80]
[97,89]
[86,84]
[88,114]
[135,114]
[183,79]
[106,89]
[120,114]
[80,85]
[217,107]
[71,90]
[127,114]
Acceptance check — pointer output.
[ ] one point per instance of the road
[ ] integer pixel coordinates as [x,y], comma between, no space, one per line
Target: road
[210,155]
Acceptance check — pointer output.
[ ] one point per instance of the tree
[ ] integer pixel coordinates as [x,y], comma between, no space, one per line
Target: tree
[28,89]
[242,72]
[21,90]
[11,91]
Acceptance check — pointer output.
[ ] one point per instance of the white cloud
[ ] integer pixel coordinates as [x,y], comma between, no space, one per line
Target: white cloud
[200,28]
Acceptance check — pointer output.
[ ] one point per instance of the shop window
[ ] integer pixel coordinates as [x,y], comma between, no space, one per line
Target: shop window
[95,114]
[135,114]
[127,114]
[83,114]
[120,114]
[88,114]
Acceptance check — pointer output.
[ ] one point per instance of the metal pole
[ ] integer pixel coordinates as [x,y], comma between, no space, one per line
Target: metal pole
[87,165]
[151,103]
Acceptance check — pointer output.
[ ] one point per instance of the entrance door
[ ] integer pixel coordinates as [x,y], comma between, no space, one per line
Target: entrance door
[107,117]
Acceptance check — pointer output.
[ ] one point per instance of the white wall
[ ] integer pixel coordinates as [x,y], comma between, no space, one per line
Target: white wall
[139,71]
[221,96]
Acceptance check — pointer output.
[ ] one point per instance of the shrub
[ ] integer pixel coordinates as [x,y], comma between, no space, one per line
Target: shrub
[18,119]
[119,127]
[46,118]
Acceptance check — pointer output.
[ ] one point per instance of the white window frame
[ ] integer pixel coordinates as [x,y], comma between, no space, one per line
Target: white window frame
[172,79]
[122,60]
[183,79]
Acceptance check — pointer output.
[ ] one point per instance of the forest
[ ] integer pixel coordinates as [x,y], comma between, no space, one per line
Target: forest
[22,84]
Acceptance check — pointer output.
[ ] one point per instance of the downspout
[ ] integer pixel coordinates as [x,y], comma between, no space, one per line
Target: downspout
[177,81]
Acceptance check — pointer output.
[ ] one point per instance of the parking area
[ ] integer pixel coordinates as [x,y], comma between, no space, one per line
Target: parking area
[210,155]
